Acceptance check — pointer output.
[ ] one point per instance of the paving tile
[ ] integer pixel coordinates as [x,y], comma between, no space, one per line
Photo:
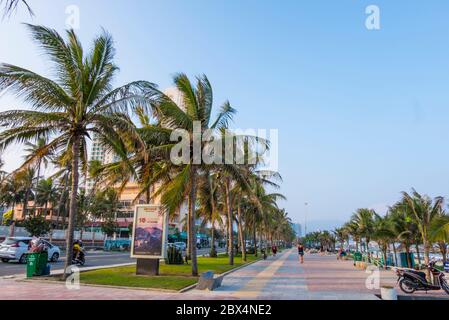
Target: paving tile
[281,277]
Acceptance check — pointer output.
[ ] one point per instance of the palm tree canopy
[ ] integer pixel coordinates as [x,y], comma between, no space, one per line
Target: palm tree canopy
[79,101]
[9,6]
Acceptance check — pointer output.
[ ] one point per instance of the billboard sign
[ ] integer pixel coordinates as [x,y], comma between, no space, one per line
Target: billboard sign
[149,232]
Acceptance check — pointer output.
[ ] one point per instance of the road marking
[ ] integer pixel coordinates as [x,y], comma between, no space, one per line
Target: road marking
[255,286]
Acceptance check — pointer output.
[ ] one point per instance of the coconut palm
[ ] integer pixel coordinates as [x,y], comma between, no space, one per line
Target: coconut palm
[209,203]
[26,178]
[47,193]
[342,235]
[9,6]
[403,227]
[424,212]
[11,193]
[80,101]
[191,113]
[364,220]
[439,231]
[383,234]
[39,154]
[353,230]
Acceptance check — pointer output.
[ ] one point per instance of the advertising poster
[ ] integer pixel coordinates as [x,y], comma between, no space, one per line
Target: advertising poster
[149,232]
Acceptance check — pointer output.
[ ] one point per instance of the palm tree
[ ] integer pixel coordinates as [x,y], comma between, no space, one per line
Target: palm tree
[26,179]
[62,164]
[354,231]
[439,231]
[94,172]
[364,219]
[424,212]
[209,206]
[193,116]
[383,234]
[11,5]
[46,194]
[79,102]
[342,236]
[38,153]
[11,193]
[403,227]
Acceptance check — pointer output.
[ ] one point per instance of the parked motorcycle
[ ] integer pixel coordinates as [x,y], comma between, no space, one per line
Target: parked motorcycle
[411,280]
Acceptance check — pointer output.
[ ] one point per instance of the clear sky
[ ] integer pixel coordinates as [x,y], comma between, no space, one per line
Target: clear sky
[362,114]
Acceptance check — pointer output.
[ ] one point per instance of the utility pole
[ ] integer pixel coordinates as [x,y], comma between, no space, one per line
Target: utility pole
[306,204]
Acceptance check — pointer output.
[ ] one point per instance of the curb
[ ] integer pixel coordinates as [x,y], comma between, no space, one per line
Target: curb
[19,277]
[193,286]
[98,285]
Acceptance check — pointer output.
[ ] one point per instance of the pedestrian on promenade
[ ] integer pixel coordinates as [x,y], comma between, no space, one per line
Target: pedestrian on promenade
[301,253]
[274,249]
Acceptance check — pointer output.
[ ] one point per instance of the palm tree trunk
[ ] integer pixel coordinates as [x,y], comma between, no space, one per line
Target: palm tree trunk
[384,251]
[255,238]
[37,182]
[242,239]
[230,222]
[73,203]
[189,239]
[12,229]
[192,229]
[418,254]
[367,250]
[443,250]
[25,204]
[407,253]
[61,199]
[213,251]
[395,255]
[427,256]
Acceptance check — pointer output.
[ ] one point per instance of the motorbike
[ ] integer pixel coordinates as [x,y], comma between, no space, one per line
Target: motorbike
[79,259]
[412,280]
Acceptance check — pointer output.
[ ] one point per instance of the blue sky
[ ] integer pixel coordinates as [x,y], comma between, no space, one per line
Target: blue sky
[362,115]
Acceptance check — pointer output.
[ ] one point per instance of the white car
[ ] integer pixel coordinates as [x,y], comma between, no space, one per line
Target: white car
[181,245]
[16,248]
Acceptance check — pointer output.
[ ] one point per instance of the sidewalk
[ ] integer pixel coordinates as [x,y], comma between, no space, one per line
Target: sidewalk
[281,277]
[284,278]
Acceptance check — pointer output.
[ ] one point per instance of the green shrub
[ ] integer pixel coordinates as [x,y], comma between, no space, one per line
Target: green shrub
[37,226]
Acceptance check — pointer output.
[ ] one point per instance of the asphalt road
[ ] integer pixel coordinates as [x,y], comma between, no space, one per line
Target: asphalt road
[93,259]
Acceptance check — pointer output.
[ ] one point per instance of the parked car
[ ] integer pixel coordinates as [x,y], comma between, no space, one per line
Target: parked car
[16,248]
[181,245]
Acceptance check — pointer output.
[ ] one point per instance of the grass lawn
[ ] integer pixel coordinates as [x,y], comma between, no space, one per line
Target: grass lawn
[172,277]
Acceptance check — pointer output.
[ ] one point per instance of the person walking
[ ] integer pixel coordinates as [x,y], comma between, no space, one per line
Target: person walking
[274,249]
[301,253]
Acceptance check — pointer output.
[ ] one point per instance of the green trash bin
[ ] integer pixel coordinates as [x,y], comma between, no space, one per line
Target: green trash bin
[36,264]
[32,259]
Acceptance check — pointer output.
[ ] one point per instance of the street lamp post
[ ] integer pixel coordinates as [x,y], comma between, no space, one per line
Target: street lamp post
[306,204]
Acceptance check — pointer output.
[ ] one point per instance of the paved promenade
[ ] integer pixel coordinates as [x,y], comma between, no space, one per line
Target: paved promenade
[281,277]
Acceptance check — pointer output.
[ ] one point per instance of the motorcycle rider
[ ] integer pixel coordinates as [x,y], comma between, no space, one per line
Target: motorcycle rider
[76,249]
[78,252]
